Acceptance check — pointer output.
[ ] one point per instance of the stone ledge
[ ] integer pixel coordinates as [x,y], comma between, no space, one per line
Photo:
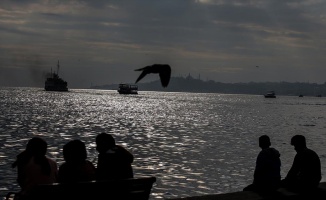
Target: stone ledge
[280,194]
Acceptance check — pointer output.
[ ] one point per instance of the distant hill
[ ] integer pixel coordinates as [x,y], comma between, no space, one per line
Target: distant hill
[190,84]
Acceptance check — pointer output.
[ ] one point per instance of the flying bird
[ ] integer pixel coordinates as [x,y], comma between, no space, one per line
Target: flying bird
[162,69]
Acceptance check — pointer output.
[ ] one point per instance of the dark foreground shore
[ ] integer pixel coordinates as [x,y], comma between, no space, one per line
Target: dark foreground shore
[281,194]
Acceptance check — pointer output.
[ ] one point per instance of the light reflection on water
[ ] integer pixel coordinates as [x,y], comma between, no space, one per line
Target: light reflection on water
[193,143]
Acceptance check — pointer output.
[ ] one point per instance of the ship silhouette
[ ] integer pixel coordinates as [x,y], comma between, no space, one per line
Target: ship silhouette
[54,82]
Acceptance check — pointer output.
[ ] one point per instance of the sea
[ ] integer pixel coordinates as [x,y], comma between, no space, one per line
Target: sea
[193,143]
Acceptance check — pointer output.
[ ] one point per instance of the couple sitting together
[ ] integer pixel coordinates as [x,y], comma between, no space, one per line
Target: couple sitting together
[33,167]
[304,175]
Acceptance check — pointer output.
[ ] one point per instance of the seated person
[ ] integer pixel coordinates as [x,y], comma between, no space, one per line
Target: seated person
[33,167]
[114,162]
[76,168]
[267,174]
[305,173]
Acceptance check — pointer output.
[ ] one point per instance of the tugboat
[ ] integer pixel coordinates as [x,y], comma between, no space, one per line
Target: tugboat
[128,89]
[55,83]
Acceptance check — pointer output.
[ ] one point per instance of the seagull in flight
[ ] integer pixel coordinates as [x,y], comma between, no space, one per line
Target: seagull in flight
[162,69]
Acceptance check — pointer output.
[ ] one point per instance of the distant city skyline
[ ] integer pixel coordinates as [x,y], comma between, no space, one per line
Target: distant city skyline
[191,84]
[102,42]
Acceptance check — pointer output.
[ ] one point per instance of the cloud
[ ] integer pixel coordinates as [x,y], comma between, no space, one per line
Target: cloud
[193,35]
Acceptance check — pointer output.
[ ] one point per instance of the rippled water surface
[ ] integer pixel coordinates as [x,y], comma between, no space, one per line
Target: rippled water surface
[192,143]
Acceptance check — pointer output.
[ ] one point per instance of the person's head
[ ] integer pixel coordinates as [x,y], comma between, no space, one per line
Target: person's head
[74,151]
[104,142]
[36,147]
[299,142]
[264,142]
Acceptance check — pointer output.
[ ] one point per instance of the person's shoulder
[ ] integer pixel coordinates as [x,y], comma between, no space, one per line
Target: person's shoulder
[310,152]
[50,159]
[271,151]
[89,163]
[90,167]
[123,149]
[119,147]
[52,162]
[63,167]
[274,150]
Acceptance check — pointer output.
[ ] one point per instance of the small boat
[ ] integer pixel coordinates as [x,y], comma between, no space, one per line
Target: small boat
[270,94]
[300,95]
[54,82]
[128,89]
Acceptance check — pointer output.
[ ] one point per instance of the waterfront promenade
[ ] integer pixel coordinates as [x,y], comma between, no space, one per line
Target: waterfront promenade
[280,194]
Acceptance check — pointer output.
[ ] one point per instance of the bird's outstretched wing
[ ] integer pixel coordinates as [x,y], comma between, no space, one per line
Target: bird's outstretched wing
[163,70]
[143,74]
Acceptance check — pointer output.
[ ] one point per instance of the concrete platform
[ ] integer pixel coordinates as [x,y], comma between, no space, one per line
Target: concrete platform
[280,194]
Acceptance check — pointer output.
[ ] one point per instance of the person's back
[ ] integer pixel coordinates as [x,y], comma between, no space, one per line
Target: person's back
[34,167]
[76,168]
[310,172]
[70,172]
[267,175]
[268,167]
[305,173]
[114,162]
[34,175]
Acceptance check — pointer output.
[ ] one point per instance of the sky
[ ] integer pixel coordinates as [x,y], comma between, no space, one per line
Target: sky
[103,41]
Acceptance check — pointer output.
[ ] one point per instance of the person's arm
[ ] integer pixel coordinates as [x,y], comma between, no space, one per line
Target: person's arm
[56,171]
[20,176]
[294,171]
[61,174]
[260,165]
[101,167]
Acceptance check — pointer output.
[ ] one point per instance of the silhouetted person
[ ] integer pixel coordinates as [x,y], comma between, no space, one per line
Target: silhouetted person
[267,175]
[114,162]
[305,173]
[76,168]
[162,69]
[33,167]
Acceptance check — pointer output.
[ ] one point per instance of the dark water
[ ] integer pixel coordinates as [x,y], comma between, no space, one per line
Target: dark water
[192,143]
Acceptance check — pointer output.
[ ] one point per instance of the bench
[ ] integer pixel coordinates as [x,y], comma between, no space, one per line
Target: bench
[135,188]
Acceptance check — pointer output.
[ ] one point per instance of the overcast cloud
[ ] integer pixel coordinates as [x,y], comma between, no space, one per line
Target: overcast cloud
[103,41]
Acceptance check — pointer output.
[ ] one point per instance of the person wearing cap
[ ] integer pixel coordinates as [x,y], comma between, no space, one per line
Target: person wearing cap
[267,174]
[305,173]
